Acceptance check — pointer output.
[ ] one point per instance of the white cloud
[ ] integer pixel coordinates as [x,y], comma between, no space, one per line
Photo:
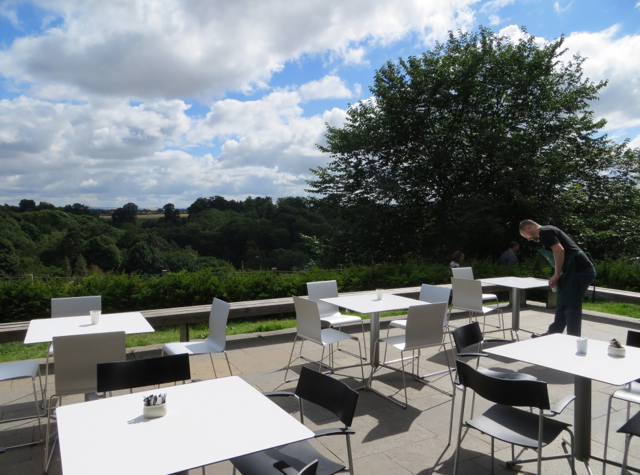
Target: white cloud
[494,20]
[171,48]
[326,88]
[558,9]
[610,58]
[495,5]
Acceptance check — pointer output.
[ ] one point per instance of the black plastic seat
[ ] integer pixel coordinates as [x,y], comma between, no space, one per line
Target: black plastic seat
[631,428]
[326,392]
[140,373]
[509,424]
[470,335]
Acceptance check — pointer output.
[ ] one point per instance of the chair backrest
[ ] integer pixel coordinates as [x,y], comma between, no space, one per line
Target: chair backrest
[308,319]
[77,358]
[462,272]
[140,373]
[467,294]
[436,294]
[467,336]
[510,392]
[324,290]
[310,469]
[329,393]
[218,322]
[75,306]
[633,338]
[424,325]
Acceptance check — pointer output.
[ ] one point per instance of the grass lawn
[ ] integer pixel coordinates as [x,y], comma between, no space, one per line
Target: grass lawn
[17,351]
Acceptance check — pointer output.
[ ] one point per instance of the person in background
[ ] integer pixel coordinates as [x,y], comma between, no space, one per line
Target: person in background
[573,272]
[508,257]
[456,259]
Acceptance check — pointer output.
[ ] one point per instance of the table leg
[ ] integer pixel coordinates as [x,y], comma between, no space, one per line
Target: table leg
[374,332]
[515,309]
[582,418]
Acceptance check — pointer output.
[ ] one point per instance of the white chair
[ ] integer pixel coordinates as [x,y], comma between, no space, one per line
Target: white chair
[467,295]
[216,342]
[309,327]
[20,370]
[430,294]
[330,314]
[69,307]
[467,273]
[423,329]
[76,369]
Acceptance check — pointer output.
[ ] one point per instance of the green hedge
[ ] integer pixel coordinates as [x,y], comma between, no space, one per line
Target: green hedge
[22,300]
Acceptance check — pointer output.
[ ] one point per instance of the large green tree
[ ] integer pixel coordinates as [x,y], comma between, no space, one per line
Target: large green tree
[460,144]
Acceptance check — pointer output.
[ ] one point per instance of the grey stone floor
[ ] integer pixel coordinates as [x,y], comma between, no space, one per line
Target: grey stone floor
[389,439]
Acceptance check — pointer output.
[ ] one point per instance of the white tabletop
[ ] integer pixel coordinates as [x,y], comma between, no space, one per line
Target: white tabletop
[558,352]
[42,330]
[206,422]
[369,303]
[522,283]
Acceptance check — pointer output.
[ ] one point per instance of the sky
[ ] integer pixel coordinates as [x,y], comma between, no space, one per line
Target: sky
[106,102]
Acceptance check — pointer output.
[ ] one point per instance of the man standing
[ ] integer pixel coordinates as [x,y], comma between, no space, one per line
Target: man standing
[573,272]
[508,257]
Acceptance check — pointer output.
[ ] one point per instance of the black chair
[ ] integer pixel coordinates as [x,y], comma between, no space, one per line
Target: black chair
[631,428]
[287,470]
[630,393]
[326,392]
[504,422]
[140,373]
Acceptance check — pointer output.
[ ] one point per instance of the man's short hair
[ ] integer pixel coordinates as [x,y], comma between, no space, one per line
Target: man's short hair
[527,222]
[513,244]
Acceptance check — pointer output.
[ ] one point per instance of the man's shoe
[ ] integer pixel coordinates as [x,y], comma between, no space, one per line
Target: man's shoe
[538,335]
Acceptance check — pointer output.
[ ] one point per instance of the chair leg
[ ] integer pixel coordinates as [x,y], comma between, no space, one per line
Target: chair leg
[457,454]
[627,442]
[493,441]
[46,381]
[291,356]
[404,382]
[48,453]
[606,436]
[364,340]
[228,364]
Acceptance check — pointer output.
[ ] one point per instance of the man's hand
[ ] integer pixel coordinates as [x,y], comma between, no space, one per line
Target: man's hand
[558,256]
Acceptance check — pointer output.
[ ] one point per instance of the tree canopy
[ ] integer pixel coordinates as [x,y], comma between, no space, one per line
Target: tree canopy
[458,145]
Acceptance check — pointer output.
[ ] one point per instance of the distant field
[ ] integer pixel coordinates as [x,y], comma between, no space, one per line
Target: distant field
[140,216]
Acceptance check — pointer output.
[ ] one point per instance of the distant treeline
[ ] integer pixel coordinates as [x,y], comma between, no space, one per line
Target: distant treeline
[72,241]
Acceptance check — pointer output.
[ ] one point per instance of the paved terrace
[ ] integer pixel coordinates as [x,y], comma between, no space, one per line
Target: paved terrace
[389,439]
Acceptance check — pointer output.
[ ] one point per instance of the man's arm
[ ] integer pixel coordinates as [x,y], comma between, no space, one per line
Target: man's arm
[558,256]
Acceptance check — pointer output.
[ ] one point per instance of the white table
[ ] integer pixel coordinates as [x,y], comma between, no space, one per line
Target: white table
[516,284]
[558,352]
[42,330]
[206,422]
[369,303]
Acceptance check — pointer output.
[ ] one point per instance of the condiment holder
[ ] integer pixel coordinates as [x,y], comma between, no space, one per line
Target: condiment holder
[154,406]
[616,349]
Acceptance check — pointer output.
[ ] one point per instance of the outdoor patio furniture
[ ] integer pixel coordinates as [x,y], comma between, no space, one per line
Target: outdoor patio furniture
[467,295]
[309,327]
[20,370]
[329,313]
[504,422]
[216,342]
[630,393]
[77,357]
[326,392]
[140,373]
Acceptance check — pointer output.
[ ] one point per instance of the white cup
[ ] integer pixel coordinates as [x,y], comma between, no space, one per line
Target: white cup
[380,293]
[95,317]
[582,345]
